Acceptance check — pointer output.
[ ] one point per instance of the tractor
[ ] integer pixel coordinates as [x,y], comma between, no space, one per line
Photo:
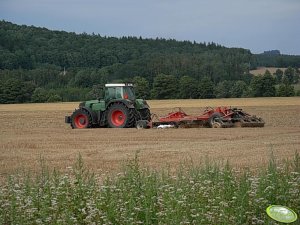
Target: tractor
[118,108]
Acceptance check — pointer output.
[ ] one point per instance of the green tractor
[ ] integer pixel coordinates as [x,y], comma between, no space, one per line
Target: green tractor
[118,109]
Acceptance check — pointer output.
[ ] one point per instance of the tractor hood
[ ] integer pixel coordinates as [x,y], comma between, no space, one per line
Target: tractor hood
[88,103]
[141,104]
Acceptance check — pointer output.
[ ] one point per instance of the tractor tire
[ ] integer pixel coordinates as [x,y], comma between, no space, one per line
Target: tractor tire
[213,119]
[145,114]
[119,116]
[81,119]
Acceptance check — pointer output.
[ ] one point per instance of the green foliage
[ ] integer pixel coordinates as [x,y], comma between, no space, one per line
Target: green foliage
[268,85]
[278,76]
[97,92]
[205,194]
[285,90]
[39,95]
[187,88]
[289,75]
[231,89]
[296,76]
[83,78]
[71,94]
[239,89]
[53,97]
[297,89]
[76,65]
[16,91]
[280,61]
[142,89]
[42,95]
[263,86]
[223,89]
[206,88]
[164,87]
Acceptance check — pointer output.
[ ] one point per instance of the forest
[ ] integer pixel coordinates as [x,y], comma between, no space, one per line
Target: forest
[41,65]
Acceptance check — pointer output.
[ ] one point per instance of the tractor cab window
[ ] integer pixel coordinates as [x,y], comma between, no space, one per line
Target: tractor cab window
[119,93]
[110,93]
[129,93]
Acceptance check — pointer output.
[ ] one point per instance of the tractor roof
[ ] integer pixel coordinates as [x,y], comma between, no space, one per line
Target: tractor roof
[119,85]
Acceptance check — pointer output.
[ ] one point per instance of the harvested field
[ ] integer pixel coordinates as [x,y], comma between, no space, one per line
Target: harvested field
[31,131]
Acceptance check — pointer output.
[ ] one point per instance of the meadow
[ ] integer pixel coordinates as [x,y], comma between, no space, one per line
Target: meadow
[206,194]
[51,174]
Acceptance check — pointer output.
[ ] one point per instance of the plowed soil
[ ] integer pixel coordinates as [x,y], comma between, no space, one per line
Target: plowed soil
[29,132]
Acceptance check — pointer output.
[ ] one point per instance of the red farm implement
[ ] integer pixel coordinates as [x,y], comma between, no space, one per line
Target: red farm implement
[220,117]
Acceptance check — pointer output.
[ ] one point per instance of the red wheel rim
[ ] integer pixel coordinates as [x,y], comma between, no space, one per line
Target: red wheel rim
[118,118]
[81,121]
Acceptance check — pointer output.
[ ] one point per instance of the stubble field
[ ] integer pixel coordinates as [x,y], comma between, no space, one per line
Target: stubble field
[29,132]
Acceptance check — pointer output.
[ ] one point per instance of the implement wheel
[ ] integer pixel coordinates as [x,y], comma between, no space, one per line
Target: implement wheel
[119,116]
[81,119]
[216,125]
[214,118]
[141,124]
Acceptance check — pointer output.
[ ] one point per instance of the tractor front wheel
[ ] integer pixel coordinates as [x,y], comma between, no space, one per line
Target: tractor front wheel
[119,116]
[80,119]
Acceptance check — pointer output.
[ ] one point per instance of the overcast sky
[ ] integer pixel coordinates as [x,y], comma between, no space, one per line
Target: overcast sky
[257,25]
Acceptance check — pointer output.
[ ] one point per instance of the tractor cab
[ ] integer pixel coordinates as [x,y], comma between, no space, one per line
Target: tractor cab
[119,91]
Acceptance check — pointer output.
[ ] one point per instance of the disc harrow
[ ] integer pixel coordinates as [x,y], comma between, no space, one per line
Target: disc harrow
[220,117]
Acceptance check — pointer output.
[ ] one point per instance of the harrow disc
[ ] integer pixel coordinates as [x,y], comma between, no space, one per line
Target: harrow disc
[252,122]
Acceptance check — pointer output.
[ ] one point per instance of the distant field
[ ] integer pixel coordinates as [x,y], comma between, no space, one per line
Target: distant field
[262,70]
[184,103]
[31,131]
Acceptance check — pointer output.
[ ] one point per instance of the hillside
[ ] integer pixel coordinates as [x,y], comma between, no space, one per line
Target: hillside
[30,47]
[58,65]
[276,60]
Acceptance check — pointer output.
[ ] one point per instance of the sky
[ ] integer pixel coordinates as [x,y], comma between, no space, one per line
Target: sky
[258,25]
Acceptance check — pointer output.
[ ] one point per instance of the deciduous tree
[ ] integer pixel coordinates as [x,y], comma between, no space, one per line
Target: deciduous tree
[188,87]
[164,87]
[206,88]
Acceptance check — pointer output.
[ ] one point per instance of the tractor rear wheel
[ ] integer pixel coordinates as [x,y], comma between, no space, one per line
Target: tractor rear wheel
[81,119]
[119,116]
[145,114]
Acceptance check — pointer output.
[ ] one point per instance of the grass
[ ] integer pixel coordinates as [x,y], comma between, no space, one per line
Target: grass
[207,194]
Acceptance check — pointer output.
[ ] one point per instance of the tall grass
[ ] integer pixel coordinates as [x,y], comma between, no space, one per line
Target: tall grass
[208,194]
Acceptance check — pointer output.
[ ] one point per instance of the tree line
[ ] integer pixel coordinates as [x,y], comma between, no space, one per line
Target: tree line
[39,65]
[164,86]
